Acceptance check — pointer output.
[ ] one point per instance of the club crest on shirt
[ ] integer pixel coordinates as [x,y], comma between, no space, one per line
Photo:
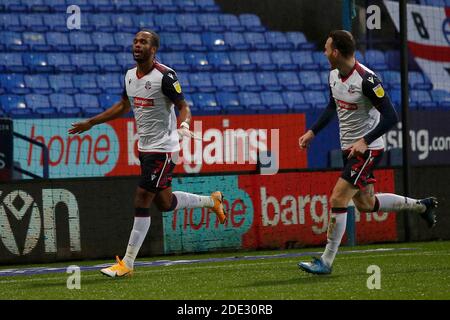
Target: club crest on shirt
[148,85]
[351,89]
[379,91]
[177,86]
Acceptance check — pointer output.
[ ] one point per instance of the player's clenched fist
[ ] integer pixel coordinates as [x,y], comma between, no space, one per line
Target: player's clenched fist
[305,139]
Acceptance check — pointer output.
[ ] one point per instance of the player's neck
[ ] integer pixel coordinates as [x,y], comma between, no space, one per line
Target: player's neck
[347,67]
[145,67]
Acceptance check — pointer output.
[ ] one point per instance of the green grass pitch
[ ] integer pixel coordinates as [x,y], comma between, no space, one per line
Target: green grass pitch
[420,273]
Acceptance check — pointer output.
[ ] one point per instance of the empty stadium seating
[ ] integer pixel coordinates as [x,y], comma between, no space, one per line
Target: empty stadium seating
[226,63]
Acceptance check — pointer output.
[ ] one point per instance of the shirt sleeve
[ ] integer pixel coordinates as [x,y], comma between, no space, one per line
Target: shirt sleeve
[171,87]
[373,89]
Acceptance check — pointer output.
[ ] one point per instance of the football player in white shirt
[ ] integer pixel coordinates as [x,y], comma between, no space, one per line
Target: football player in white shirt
[365,113]
[151,90]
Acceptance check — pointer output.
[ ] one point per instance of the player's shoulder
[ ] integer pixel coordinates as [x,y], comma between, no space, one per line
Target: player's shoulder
[130,72]
[368,76]
[165,70]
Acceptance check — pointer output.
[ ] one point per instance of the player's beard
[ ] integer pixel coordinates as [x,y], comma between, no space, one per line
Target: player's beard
[141,56]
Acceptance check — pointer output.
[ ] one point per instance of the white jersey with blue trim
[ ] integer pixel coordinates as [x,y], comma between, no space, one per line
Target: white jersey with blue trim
[152,99]
[356,97]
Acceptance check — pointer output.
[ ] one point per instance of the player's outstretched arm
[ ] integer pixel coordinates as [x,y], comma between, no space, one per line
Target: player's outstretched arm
[114,112]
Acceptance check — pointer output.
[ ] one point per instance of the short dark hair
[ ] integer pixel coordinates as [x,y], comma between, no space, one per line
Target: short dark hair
[344,42]
[155,37]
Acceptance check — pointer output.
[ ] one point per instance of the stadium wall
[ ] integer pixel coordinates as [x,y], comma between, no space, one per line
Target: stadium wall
[75,219]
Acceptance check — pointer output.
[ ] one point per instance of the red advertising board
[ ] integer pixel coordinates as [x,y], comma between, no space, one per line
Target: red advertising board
[228,144]
[293,209]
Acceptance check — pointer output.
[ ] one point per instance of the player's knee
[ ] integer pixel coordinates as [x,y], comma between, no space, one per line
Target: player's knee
[366,206]
[163,206]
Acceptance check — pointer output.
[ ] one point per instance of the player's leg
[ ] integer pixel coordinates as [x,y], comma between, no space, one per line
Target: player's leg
[168,200]
[367,201]
[340,197]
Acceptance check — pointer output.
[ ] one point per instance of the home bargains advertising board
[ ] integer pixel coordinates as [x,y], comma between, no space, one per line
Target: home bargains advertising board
[227,144]
[269,211]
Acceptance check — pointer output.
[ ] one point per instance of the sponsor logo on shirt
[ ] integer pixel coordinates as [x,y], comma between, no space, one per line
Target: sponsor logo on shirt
[177,86]
[148,85]
[379,91]
[143,102]
[345,105]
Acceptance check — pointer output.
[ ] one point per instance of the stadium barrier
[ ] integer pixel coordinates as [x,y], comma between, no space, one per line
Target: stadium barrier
[75,219]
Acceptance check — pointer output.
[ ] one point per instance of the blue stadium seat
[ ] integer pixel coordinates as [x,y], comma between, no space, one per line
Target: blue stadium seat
[106,101]
[33,22]
[290,81]
[37,62]
[204,100]
[164,5]
[324,77]
[392,78]
[263,60]
[125,6]
[82,41]
[299,40]
[418,81]
[38,83]
[247,81]
[125,60]
[14,83]
[241,60]
[171,41]
[11,22]
[436,3]
[106,42]
[60,100]
[175,60]
[187,5]
[202,81]
[61,62]
[198,61]
[40,105]
[62,83]
[321,60]
[56,22]
[421,99]
[12,102]
[12,62]
[214,41]
[107,62]
[13,41]
[304,60]
[221,61]
[188,22]
[13,6]
[283,60]
[278,40]
[231,23]
[442,97]
[251,22]
[316,98]
[257,41]
[101,22]
[396,97]
[360,57]
[88,103]
[84,62]
[375,60]
[274,102]
[236,41]
[36,41]
[207,5]
[59,41]
[312,81]
[268,81]
[38,6]
[224,81]
[167,22]
[252,102]
[145,21]
[210,22]
[87,83]
[295,101]
[104,6]
[125,39]
[124,23]
[193,41]
[227,99]
[83,4]
[183,78]
[111,83]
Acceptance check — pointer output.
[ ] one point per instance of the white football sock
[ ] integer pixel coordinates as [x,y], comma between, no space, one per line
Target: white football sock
[393,202]
[336,230]
[190,200]
[140,229]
